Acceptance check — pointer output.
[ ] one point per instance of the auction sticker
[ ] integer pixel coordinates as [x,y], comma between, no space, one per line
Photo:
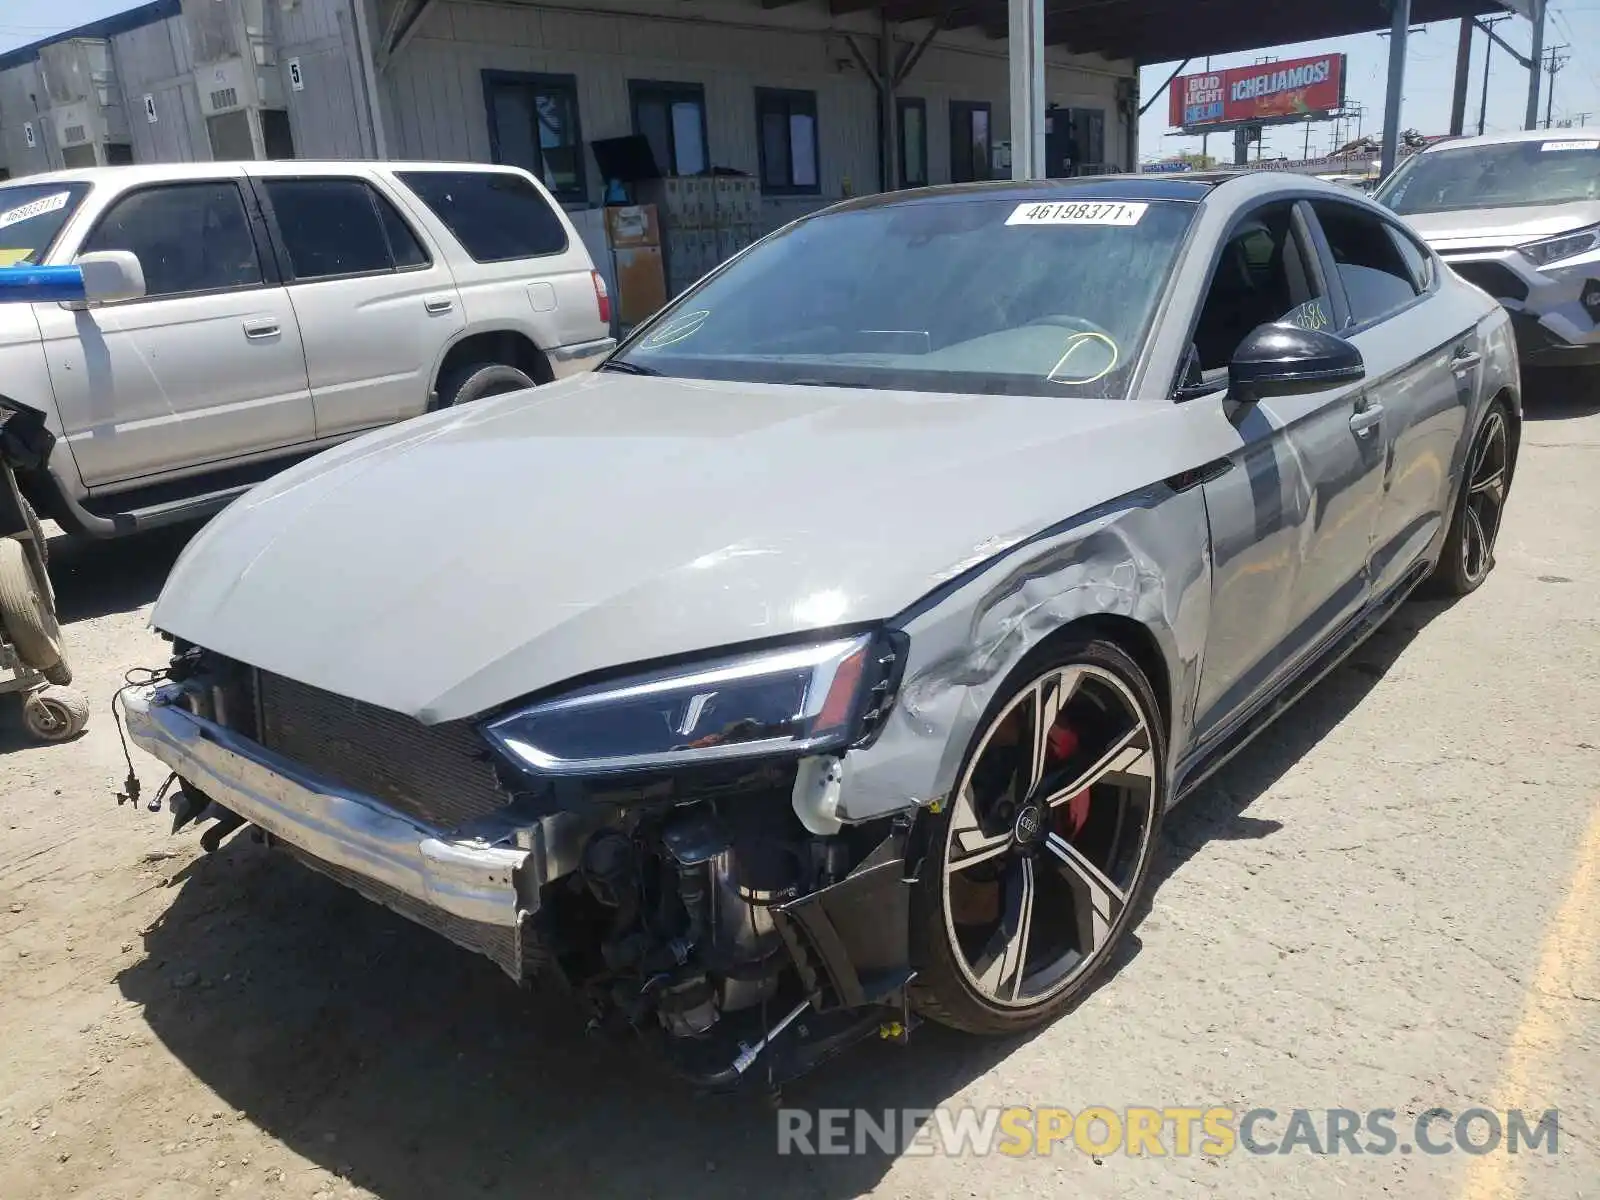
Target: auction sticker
[1077,213]
[1580,145]
[34,208]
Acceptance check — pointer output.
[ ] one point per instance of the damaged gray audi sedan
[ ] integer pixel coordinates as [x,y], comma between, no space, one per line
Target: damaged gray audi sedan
[830,656]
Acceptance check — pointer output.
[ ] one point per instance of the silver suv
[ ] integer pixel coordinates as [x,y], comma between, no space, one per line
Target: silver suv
[1517,214]
[243,316]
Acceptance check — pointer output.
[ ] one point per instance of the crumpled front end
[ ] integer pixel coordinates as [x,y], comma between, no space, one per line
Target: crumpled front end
[694,907]
[476,880]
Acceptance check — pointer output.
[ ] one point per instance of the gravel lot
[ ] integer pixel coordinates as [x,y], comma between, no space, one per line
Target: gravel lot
[1390,901]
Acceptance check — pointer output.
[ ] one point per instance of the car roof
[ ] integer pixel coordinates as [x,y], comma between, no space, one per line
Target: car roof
[163,172]
[1192,188]
[1582,133]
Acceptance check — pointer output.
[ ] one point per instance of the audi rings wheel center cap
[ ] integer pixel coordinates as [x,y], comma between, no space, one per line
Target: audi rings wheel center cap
[1030,826]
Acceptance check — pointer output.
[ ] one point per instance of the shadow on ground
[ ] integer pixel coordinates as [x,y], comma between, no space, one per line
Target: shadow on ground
[95,578]
[1561,394]
[385,1054]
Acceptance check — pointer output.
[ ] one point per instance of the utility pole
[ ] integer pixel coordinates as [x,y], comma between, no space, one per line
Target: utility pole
[1535,61]
[1579,120]
[1458,99]
[1399,31]
[1553,62]
[1487,24]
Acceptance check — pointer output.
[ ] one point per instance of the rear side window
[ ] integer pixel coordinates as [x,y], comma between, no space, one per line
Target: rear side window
[333,227]
[189,237]
[495,215]
[1377,279]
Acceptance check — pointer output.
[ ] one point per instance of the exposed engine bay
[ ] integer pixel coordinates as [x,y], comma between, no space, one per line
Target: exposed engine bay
[695,909]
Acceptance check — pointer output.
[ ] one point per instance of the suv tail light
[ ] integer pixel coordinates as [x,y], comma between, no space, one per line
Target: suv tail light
[602,297]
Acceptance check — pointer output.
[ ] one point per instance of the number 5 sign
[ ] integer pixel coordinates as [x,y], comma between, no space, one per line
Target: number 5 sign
[297,81]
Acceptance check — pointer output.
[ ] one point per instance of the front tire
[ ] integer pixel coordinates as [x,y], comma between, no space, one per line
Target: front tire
[1040,858]
[1468,554]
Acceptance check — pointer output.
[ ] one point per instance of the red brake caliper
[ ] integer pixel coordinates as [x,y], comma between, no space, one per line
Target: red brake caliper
[1071,817]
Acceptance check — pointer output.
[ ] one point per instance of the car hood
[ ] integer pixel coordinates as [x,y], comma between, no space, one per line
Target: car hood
[451,564]
[1497,228]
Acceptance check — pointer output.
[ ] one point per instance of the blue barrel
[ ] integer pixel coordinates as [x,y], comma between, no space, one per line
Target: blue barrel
[39,285]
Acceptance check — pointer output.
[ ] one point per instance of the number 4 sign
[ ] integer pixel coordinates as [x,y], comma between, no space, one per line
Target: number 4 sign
[150,108]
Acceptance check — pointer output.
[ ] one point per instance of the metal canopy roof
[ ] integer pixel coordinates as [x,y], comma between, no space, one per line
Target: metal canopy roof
[1153,31]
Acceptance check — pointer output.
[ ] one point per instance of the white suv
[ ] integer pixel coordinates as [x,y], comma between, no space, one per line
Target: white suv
[243,316]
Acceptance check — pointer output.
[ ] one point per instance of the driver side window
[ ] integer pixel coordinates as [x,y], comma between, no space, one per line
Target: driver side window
[1263,275]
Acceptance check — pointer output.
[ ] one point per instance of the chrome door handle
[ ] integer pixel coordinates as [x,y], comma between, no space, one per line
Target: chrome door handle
[1466,360]
[260,330]
[435,305]
[1365,420]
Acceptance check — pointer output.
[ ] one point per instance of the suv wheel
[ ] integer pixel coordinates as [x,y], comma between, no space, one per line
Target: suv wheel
[478,380]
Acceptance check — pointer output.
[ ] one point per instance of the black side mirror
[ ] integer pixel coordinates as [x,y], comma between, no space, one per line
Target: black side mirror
[1279,359]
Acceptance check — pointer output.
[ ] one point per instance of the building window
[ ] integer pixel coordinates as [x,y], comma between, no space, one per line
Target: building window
[533,124]
[913,123]
[672,118]
[969,141]
[787,123]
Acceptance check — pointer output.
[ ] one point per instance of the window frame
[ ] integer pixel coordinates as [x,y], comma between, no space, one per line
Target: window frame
[578,193]
[789,98]
[266,252]
[1318,262]
[966,109]
[902,105]
[258,184]
[403,176]
[1430,282]
[1350,325]
[670,93]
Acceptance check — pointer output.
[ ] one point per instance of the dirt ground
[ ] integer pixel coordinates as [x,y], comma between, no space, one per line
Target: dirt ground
[1389,901]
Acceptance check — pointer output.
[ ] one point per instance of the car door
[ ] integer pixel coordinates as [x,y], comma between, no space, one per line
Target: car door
[206,367]
[1292,511]
[376,304]
[1420,346]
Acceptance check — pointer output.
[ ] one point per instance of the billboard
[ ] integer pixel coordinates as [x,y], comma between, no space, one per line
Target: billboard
[1275,91]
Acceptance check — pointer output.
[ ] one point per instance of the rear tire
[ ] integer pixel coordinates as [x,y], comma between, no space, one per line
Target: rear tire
[476,381]
[1037,866]
[26,611]
[1468,554]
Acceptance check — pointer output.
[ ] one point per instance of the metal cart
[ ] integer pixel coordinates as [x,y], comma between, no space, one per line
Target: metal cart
[32,661]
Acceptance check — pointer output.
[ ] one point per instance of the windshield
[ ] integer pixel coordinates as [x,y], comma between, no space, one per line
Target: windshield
[980,295]
[31,215]
[1554,171]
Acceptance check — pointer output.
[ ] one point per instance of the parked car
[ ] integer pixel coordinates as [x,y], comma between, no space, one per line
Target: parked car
[243,316]
[1518,214]
[835,649]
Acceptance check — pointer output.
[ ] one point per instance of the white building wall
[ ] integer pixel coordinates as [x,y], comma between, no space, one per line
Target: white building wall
[434,99]
[24,105]
[327,114]
[155,60]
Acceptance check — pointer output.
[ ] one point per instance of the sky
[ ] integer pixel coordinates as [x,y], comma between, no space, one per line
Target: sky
[1430,73]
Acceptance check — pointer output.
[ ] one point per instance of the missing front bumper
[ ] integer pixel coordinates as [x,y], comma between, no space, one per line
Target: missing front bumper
[475,885]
